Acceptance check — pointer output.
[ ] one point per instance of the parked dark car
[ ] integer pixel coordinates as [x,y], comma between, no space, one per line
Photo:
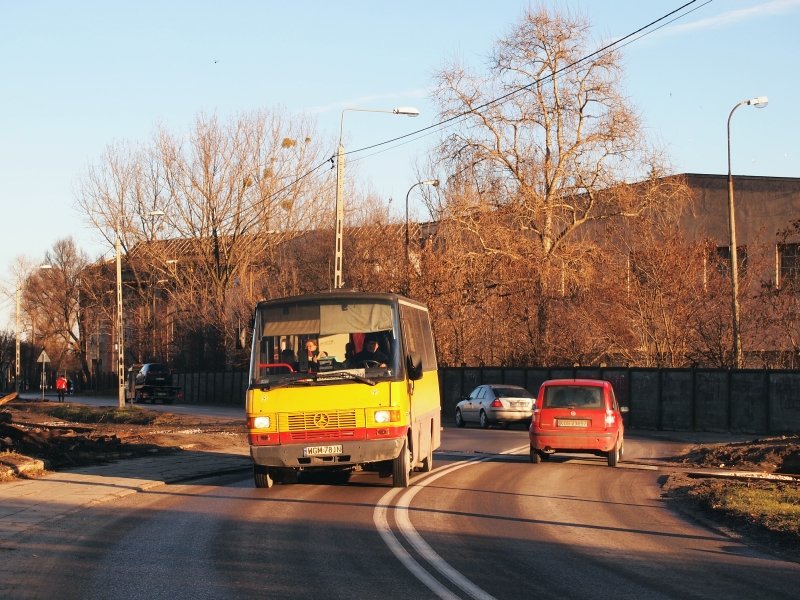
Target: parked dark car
[580,416]
[154,374]
[495,404]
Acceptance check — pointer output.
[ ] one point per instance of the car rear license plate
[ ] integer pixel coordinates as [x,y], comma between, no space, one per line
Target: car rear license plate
[519,405]
[572,422]
[162,394]
[322,450]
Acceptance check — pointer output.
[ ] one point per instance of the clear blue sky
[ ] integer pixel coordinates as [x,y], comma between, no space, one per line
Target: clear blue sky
[79,75]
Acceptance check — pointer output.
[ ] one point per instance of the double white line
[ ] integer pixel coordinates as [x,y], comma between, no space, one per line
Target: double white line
[420,545]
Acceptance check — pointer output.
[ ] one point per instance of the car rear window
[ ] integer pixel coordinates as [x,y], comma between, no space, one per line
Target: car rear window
[569,396]
[509,392]
[160,369]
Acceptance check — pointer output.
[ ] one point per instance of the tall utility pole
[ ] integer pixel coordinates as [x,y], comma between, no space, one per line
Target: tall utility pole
[337,248]
[16,362]
[759,102]
[120,348]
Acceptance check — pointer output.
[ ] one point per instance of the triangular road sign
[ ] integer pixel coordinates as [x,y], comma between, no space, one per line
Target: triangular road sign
[43,358]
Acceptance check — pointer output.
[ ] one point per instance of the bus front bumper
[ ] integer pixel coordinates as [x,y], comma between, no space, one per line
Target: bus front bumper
[353,453]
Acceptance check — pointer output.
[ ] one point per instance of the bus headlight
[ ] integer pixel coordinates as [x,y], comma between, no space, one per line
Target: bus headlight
[261,423]
[386,416]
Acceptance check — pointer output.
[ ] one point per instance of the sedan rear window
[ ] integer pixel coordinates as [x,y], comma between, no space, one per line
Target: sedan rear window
[158,369]
[573,396]
[509,392]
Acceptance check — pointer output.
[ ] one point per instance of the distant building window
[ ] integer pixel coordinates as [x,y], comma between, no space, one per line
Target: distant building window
[724,260]
[790,263]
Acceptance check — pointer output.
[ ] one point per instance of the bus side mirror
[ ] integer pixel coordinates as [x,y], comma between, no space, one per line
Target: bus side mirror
[414,366]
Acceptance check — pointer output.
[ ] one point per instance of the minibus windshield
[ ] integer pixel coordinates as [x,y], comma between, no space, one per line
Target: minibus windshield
[336,341]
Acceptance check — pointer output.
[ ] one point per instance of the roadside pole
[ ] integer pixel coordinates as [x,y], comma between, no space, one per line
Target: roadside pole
[44,359]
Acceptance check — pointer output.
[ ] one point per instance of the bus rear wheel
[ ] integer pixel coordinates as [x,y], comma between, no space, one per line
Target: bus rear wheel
[401,467]
[262,477]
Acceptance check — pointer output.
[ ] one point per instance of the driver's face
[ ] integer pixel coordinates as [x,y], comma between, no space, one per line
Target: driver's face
[372,346]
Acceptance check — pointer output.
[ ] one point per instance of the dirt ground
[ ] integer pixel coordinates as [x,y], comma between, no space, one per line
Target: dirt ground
[764,512]
[39,430]
[770,455]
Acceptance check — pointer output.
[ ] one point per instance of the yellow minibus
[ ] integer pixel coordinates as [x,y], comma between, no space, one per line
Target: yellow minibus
[339,381]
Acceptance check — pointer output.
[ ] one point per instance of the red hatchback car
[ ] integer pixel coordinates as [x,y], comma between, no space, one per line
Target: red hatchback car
[577,415]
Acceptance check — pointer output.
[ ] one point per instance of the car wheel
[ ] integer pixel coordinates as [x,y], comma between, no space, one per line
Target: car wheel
[484,420]
[536,457]
[401,467]
[613,455]
[460,422]
[262,477]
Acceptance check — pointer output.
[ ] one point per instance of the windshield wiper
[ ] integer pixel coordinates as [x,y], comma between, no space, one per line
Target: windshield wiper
[305,377]
[345,375]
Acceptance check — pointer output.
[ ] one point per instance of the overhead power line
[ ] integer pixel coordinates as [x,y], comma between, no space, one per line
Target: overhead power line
[638,34]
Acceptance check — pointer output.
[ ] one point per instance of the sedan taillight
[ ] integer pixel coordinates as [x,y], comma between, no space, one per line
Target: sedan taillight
[496,404]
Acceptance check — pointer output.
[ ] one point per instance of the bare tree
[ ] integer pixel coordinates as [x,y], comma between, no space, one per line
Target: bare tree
[204,211]
[549,154]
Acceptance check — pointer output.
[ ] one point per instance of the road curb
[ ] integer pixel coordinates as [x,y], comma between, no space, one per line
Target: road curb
[167,481]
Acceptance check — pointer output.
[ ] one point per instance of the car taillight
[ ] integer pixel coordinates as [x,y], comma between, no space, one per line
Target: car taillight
[496,404]
[537,414]
[610,418]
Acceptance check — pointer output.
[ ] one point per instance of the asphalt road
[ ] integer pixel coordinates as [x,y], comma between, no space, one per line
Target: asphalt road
[480,526]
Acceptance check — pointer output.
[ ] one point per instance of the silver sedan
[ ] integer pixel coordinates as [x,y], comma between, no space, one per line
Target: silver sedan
[495,404]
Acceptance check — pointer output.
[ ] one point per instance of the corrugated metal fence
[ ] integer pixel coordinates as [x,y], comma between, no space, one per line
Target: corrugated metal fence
[752,401]
[222,387]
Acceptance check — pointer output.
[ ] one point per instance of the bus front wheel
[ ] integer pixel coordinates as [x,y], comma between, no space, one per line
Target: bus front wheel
[262,476]
[401,467]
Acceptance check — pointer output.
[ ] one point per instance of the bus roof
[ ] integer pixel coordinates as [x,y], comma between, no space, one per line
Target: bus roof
[342,295]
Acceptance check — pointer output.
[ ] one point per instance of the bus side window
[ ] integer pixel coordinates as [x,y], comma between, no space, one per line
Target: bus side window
[416,325]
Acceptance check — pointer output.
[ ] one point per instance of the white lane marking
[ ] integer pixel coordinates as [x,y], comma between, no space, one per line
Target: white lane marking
[413,537]
[379,517]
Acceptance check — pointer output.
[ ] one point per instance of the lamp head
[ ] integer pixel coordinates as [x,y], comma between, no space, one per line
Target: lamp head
[156,213]
[759,102]
[433,182]
[406,110]
[45,266]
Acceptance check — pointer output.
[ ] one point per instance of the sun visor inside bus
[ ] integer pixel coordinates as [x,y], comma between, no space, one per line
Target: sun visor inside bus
[292,319]
[349,318]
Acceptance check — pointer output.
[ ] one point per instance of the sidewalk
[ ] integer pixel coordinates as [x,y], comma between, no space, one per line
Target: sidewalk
[30,502]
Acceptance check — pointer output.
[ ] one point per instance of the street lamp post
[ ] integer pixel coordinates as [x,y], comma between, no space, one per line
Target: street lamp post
[337,248]
[759,102]
[434,183]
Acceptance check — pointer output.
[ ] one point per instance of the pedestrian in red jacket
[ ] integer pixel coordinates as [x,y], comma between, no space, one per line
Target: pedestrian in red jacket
[61,388]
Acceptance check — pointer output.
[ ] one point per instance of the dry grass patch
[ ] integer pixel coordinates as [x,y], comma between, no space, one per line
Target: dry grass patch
[88,414]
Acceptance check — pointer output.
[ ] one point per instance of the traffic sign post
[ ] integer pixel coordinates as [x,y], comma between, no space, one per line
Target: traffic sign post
[44,359]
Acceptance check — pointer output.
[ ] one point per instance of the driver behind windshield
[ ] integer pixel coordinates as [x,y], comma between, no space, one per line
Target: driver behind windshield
[370,353]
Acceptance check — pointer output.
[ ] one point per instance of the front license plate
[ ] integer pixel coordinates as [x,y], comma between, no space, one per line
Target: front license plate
[322,450]
[572,423]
